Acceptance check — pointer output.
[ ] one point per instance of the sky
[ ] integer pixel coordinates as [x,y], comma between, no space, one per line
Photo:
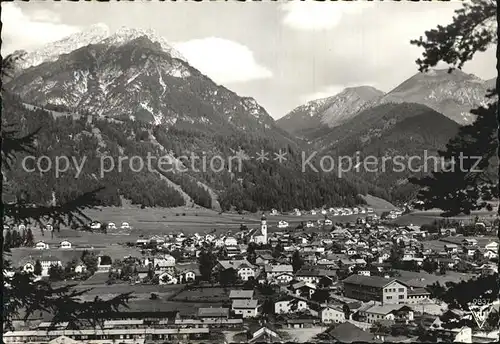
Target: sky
[282,53]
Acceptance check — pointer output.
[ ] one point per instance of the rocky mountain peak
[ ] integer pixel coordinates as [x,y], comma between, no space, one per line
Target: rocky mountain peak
[452,94]
[95,34]
[126,34]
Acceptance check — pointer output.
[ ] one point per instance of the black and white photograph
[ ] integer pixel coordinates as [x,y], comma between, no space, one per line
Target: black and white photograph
[259,171]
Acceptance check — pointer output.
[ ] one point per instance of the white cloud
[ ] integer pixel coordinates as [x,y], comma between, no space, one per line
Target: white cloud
[313,16]
[30,31]
[224,61]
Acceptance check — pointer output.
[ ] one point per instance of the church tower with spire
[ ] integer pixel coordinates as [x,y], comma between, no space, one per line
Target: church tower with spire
[263,228]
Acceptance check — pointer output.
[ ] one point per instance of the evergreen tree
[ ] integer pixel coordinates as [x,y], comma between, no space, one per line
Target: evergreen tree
[29,238]
[7,241]
[297,261]
[38,268]
[21,293]
[206,262]
[90,260]
[56,273]
[473,29]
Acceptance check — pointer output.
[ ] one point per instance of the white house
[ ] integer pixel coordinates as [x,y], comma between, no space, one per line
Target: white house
[490,255]
[283,224]
[289,305]
[167,278]
[230,241]
[111,225]
[283,278]
[65,244]
[41,246]
[244,269]
[272,271]
[330,315]
[47,262]
[95,225]
[375,313]
[29,267]
[125,225]
[246,308]
[304,289]
[165,263]
[492,246]
[188,276]
[80,268]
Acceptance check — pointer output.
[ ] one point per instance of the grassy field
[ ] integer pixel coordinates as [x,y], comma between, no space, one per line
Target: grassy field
[140,292]
[207,294]
[377,203]
[419,218]
[438,245]
[450,276]
[184,308]
[161,221]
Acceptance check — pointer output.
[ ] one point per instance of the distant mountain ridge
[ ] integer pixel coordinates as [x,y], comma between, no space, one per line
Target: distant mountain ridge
[97,33]
[395,132]
[452,94]
[130,93]
[139,80]
[127,96]
[331,111]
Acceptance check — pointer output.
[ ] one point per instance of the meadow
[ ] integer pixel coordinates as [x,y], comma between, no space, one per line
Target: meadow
[203,295]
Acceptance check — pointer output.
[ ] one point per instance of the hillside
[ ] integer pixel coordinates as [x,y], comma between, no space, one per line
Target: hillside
[394,132]
[131,98]
[329,112]
[452,94]
[138,80]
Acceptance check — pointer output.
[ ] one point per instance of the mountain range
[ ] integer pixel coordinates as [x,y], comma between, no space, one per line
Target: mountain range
[452,94]
[130,93]
[131,97]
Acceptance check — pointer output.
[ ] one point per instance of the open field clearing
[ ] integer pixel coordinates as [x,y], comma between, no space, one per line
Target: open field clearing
[140,292]
[208,294]
[91,243]
[303,335]
[450,276]
[419,218]
[438,245]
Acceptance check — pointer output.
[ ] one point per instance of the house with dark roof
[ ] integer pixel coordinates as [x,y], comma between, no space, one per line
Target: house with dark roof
[263,259]
[347,333]
[289,304]
[263,334]
[304,289]
[375,288]
[243,268]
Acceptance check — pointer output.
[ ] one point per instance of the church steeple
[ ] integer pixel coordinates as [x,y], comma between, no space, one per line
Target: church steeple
[263,227]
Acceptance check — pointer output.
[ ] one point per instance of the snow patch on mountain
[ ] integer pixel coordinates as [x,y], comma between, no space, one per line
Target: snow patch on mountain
[95,34]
